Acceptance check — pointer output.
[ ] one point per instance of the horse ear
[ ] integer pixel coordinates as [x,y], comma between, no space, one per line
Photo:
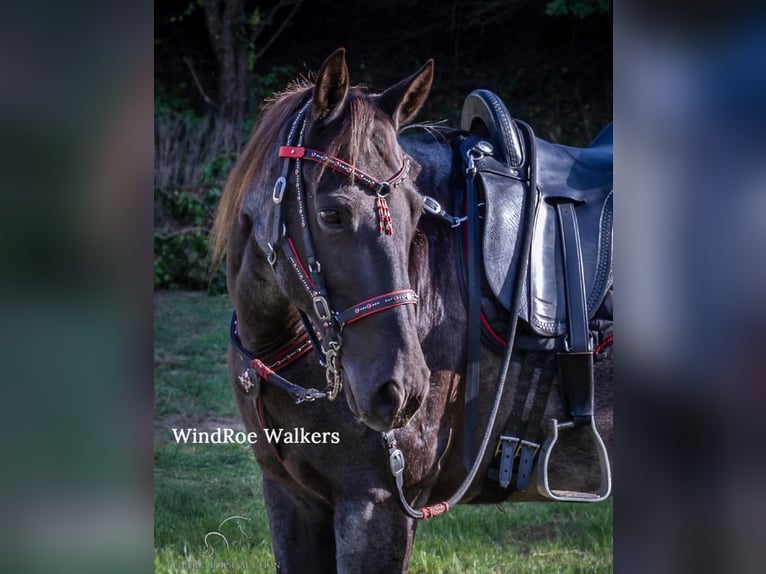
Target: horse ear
[403,100]
[331,88]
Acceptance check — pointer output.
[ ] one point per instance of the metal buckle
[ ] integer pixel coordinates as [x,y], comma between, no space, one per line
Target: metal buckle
[543,485]
[322,308]
[396,462]
[383,189]
[272,256]
[310,396]
[279,190]
[470,169]
[432,206]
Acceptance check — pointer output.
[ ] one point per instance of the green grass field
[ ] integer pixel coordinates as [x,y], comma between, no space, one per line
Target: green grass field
[197,487]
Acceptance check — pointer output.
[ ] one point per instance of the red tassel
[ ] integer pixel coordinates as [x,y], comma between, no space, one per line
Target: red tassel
[384,216]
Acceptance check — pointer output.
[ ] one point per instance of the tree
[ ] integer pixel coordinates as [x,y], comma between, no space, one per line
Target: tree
[234,36]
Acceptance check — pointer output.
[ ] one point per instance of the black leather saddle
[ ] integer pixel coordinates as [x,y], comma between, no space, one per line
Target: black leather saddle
[580,178]
[546,251]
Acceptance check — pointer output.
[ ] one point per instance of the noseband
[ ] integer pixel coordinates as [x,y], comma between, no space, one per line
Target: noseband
[310,275]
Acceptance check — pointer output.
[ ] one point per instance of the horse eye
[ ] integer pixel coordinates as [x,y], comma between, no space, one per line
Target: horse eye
[330,216]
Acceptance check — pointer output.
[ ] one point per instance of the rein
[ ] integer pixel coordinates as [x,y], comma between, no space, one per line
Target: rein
[470,152]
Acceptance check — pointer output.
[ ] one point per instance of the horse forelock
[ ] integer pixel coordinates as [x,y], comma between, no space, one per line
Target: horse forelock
[250,164]
[353,138]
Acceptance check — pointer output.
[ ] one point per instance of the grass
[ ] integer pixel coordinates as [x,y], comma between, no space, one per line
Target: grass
[196,487]
[190,342]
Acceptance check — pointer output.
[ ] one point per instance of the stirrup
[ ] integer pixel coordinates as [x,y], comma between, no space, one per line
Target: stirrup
[543,486]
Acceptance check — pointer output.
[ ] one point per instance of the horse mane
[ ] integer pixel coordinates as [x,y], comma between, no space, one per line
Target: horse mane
[352,138]
[274,114]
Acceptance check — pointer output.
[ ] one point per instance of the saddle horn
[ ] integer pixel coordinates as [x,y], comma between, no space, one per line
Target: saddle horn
[485,114]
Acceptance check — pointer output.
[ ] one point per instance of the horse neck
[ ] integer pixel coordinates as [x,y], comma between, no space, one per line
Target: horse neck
[266,319]
[433,266]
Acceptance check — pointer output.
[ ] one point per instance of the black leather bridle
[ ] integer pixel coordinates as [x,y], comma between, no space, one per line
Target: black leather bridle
[310,275]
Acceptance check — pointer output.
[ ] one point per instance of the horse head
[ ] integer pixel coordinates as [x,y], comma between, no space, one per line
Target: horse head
[337,226]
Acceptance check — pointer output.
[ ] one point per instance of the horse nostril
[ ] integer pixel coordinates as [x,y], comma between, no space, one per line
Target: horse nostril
[409,409]
[387,400]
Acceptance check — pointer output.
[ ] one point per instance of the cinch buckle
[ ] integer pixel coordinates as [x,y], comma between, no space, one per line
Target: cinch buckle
[543,486]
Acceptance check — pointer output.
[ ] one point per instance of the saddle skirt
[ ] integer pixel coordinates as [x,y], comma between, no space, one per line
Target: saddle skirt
[526,172]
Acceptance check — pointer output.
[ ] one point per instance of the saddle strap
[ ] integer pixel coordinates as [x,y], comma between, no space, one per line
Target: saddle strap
[575,370]
[521,437]
[576,363]
[473,268]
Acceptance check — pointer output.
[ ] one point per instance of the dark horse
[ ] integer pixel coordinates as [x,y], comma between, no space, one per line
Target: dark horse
[351,236]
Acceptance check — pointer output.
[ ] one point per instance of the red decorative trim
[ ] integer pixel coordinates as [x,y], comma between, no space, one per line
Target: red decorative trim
[435,510]
[603,344]
[262,370]
[384,216]
[290,151]
[491,331]
[306,276]
[377,304]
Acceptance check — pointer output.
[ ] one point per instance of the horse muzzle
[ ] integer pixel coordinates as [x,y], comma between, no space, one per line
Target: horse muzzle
[392,403]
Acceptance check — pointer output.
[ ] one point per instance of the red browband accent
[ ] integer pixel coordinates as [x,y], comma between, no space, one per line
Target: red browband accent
[291,151]
[342,167]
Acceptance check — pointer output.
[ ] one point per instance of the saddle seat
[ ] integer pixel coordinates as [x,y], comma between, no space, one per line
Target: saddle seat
[561,174]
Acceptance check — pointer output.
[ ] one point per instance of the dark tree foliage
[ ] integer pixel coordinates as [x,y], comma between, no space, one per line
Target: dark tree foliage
[550,60]
[216,61]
